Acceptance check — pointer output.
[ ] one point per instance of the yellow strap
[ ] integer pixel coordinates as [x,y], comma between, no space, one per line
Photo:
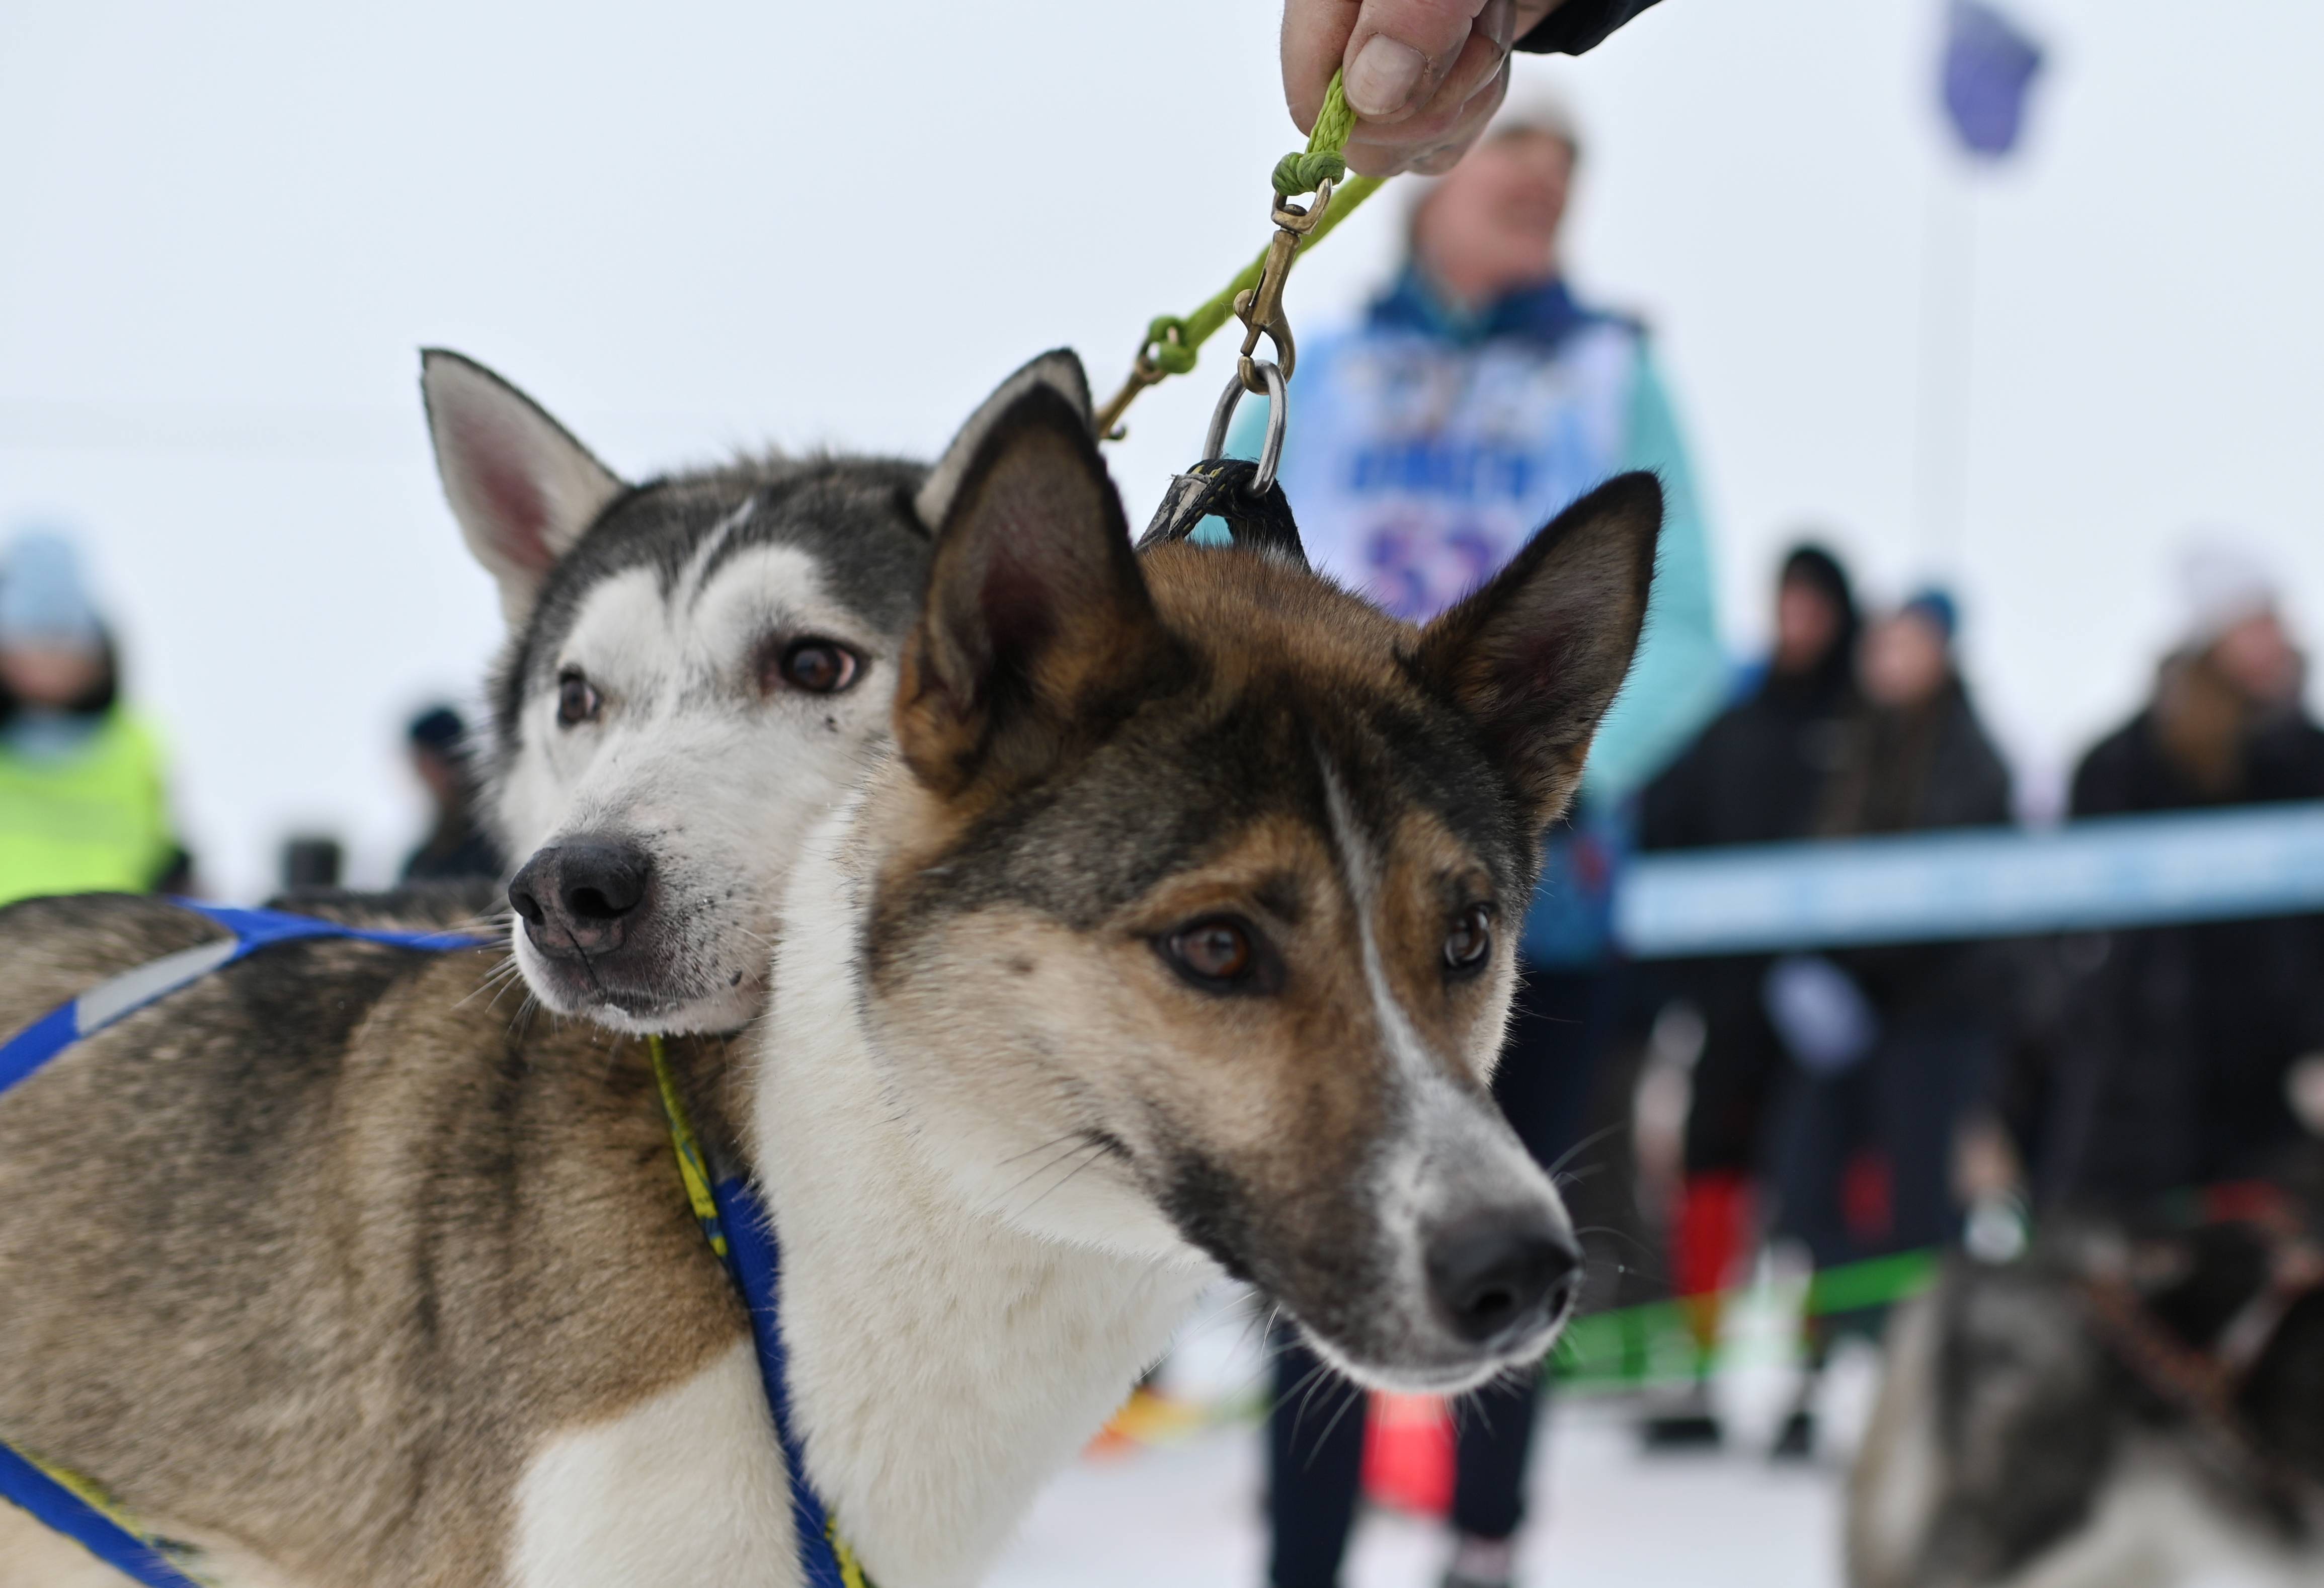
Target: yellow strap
[94,1494]
[695,1171]
[691,1166]
[850,1573]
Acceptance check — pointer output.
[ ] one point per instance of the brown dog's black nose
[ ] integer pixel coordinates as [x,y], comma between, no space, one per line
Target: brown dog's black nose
[582,894]
[1502,1273]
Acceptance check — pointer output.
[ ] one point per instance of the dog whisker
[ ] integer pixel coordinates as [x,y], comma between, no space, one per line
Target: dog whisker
[1032,1175]
[1045,1146]
[1619,1234]
[491,981]
[1352,1400]
[1096,1151]
[1304,1381]
[1583,1145]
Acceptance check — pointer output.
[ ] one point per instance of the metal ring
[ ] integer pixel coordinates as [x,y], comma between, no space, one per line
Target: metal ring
[1279,415]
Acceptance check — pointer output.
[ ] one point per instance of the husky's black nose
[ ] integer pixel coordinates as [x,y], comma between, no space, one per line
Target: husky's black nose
[582,894]
[1502,1272]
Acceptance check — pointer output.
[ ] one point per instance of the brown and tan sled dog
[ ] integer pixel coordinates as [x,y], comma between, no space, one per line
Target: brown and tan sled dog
[1174,937]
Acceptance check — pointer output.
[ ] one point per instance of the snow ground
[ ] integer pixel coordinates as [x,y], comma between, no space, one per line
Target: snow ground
[1187,1515]
[1180,1515]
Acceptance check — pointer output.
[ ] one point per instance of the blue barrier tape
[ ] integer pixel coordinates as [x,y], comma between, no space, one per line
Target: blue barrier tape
[2116,871]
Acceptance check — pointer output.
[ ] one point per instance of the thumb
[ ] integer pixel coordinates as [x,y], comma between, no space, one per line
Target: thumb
[1400,51]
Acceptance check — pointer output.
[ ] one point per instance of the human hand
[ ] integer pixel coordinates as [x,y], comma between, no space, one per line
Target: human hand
[1423,76]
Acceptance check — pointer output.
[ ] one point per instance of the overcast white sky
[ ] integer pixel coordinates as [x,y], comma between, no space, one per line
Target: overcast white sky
[225,230]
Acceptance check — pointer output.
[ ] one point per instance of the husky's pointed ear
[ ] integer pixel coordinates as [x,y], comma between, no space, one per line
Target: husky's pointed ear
[1060,369]
[1036,628]
[1537,654]
[521,487]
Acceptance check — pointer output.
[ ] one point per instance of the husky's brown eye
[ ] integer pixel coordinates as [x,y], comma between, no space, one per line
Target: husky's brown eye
[818,667]
[577,698]
[1215,953]
[1470,941]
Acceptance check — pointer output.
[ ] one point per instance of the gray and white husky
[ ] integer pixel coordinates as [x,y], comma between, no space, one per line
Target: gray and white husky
[694,670]
[2104,1412]
[1172,936]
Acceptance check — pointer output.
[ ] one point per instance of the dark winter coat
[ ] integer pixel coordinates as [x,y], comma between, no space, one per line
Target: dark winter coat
[1579,24]
[1914,770]
[2172,1051]
[1756,775]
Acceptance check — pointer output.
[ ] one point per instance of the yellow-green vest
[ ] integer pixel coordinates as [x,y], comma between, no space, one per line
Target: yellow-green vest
[96,820]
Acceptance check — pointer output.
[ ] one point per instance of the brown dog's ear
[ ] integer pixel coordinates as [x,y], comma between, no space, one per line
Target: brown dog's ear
[1037,619]
[1538,654]
[1060,369]
[523,488]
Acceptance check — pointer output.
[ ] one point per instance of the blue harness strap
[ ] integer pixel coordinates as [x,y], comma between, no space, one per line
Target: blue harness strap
[49,1497]
[739,1232]
[756,1263]
[132,990]
[50,1501]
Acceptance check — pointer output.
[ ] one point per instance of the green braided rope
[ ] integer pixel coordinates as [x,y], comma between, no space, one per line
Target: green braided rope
[1172,340]
[1321,161]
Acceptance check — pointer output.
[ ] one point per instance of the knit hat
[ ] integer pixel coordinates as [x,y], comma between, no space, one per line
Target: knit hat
[44,601]
[437,729]
[2221,582]
[1539,110]
[1938,607]
[1812,565]
[1834,674]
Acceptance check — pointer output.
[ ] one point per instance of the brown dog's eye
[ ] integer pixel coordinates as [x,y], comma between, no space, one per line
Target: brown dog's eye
[818,667]
[577,700]
[1215,954]
[1470,941]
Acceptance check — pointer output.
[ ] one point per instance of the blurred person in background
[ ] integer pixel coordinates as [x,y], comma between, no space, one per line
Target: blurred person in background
[456,845]
[2168,1067]
[1757,774]
[84,803]
[1891,1047]
[310,862]
[1478,398]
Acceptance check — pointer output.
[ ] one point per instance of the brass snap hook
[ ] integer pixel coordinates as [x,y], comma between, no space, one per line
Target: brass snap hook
[1260,306]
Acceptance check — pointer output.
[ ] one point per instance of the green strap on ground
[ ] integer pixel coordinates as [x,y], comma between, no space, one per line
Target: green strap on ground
[1633,1346]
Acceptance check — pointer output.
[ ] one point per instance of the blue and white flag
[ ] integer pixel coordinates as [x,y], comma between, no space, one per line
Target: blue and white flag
[1990,64]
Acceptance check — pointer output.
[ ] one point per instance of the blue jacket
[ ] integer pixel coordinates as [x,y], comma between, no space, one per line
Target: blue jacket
[1425,445]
